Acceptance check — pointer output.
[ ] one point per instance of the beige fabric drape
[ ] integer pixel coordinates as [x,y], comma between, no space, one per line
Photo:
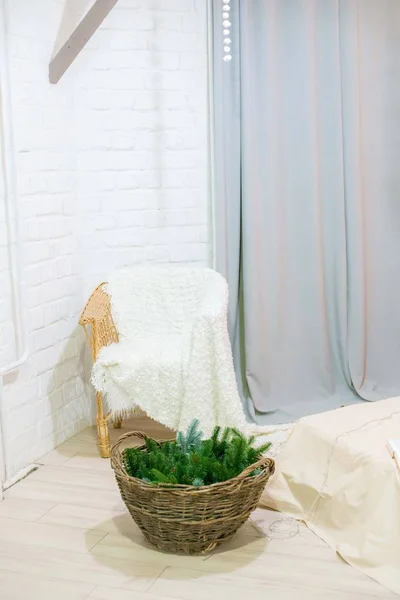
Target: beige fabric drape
[336,474]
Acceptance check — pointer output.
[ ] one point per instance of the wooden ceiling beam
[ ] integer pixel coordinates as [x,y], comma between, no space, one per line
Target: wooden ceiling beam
[77,40]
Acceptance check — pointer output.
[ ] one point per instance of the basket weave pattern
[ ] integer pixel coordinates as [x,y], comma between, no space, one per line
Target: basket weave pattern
[187,519]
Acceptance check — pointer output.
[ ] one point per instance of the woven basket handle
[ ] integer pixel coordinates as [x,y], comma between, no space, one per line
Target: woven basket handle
[260,464]
[115,450]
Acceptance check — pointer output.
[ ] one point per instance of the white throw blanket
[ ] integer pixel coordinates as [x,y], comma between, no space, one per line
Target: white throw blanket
[174,358]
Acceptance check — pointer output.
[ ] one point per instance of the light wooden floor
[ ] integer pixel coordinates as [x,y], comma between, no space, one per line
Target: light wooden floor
[64,535]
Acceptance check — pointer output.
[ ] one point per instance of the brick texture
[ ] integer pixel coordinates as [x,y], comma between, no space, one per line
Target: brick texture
[112,171]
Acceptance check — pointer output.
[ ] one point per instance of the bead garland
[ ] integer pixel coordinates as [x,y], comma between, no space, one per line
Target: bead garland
[226,23]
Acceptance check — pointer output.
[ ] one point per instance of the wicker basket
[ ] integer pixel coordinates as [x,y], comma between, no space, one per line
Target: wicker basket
[181,518]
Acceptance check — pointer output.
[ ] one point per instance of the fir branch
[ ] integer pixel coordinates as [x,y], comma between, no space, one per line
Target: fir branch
[192,439]
[263,449]
[190,459]
[197,482]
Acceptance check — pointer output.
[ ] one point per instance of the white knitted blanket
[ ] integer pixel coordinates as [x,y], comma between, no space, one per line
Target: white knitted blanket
[174,358]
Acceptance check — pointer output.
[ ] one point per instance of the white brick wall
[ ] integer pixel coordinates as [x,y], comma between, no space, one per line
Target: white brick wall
[7,337]
[41,407]
[6,325]
[112,171]
[142,147]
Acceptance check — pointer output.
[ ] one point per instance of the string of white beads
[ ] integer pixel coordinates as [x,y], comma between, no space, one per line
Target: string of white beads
[226,23]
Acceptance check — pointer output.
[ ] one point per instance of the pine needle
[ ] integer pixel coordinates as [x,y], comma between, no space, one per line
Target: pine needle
[189,460]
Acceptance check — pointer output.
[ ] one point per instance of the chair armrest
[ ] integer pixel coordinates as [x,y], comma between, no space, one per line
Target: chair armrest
[97,307]
[97,321]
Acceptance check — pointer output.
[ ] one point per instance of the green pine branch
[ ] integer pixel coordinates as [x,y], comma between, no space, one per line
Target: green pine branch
[190,460]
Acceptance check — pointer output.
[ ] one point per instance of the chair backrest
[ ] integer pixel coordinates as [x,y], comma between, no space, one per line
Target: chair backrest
[159,300]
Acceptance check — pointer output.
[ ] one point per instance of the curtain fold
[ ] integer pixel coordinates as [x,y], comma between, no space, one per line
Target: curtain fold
[307,135]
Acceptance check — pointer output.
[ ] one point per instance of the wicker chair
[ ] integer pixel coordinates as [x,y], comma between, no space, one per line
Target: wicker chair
[100,331]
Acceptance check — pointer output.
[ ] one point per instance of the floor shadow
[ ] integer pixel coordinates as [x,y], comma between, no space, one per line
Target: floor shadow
[126,549]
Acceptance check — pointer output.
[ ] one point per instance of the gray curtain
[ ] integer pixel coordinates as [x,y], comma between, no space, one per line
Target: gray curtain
[307,200]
